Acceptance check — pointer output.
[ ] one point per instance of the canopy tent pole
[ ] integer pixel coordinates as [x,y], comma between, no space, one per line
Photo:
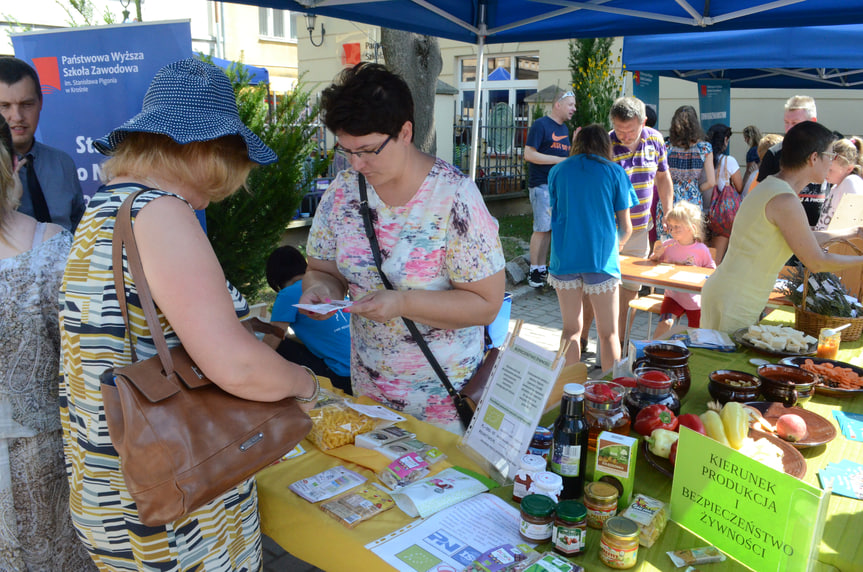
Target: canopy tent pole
[477,107]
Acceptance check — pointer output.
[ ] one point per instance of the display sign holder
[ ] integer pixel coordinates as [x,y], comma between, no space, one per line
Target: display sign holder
[761,517]
[511,405]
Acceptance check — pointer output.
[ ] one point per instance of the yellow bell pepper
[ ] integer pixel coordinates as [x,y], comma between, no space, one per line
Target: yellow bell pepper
[713,426]
[735,420]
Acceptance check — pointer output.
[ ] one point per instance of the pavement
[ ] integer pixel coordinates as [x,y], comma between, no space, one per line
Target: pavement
[542,325]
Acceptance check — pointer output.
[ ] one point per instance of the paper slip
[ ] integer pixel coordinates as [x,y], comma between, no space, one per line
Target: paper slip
[844,477]
[713,339]
[453,537]
[658,270]
[688,277]
[376,411]
[326,308]
[851,424]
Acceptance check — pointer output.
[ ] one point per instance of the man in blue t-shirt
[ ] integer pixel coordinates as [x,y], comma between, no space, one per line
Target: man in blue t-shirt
[324,345]
[547,145]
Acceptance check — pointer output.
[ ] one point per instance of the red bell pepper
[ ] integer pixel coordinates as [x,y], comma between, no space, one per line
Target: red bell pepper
[673,455]
[693,422]
[654,417]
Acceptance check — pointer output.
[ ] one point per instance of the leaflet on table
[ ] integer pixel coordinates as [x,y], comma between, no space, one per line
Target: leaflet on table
[325,308]
[511,406]
[751,512]
[687,277]
[452,538]
[448,487]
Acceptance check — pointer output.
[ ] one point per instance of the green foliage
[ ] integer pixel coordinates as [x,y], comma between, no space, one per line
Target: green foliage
[248,225]
[515,232]
[595,80]
[85,10]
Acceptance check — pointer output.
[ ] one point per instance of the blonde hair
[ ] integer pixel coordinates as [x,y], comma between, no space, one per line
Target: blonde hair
[216,168]
[689,214]
[8,202]
[767,142]
[849,151]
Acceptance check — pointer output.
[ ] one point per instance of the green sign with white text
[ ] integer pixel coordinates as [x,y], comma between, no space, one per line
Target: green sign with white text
[761,517]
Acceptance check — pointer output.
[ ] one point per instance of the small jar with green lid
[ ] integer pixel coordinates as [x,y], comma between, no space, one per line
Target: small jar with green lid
[537,517]
[618,547]
[569,534]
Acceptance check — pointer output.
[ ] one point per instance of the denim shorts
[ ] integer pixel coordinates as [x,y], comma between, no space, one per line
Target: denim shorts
[590,282]
[541,204]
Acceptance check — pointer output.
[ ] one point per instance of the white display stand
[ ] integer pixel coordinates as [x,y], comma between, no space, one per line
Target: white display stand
[511,405]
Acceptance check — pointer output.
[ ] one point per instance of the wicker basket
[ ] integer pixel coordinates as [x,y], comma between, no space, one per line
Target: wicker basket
[811,323]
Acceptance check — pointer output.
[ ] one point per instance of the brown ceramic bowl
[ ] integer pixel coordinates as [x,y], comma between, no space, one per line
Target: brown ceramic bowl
[729,385]
[787,384]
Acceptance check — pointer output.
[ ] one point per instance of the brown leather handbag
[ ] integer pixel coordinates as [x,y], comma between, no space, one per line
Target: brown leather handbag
[182,440]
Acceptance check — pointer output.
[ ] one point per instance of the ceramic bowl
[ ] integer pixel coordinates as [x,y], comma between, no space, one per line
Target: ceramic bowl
[729,385]
[787,384]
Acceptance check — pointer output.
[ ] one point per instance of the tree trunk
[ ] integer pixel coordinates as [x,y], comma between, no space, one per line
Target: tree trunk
[417,59]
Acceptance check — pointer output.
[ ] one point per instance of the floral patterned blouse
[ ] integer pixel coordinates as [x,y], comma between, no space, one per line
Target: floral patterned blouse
[686,166]
[444,234]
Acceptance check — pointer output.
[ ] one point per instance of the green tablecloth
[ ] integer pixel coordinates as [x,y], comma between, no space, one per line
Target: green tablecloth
[842,542]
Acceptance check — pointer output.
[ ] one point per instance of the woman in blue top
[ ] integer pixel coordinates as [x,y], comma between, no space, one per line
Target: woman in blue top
[590,201]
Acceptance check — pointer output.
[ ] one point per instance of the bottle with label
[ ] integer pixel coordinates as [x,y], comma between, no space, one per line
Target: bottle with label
[568,453]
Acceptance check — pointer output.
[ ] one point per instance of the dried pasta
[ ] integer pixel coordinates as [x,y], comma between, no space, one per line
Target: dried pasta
[335,424]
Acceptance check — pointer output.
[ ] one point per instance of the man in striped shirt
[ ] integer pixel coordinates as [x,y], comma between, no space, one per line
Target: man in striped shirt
[640,150]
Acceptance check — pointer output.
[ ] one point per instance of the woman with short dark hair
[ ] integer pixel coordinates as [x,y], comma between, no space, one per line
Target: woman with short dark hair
[439,248]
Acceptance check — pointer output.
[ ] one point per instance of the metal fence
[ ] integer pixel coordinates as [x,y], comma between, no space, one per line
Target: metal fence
[500,160]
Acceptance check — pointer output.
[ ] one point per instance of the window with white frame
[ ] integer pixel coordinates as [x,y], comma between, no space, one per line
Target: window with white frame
[508,79]
[278,24]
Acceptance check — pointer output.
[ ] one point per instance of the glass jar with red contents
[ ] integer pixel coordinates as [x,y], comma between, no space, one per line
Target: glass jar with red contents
[604,410]
[653,385]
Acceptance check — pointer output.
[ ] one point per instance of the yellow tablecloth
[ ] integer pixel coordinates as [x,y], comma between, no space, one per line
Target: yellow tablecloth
[304,531]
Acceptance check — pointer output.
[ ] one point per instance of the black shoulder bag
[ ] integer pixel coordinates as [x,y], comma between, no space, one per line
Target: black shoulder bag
[466,400]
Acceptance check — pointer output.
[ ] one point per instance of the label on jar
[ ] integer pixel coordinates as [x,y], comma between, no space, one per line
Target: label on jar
[539,452]
[539,532]
[569,539]
[596,517]
[617,557]
[519,488]
[566,460]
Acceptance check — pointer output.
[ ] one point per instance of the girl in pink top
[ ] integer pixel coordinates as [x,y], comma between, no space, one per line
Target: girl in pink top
[686,246]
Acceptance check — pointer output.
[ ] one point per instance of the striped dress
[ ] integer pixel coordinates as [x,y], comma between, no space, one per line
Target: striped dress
[222,535]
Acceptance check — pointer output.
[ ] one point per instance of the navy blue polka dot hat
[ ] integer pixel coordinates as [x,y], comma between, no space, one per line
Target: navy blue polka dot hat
[188,101]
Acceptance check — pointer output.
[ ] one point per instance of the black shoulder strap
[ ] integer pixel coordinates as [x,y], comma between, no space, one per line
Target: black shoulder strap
[412,327]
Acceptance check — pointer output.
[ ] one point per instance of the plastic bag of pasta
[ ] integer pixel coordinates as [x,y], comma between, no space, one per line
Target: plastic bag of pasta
[336,421]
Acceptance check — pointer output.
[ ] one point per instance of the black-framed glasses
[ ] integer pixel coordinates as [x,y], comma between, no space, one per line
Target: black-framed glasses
[347,154]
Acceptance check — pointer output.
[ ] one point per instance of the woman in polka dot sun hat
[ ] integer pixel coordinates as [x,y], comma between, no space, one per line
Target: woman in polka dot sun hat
[186,148]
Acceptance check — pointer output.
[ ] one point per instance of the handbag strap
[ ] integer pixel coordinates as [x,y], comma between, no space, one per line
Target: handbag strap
[125,237]
[365,211]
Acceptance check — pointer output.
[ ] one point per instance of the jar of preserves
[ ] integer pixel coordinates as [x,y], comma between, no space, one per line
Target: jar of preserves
[569,533]
[618,546]
[546,483]
[604,410]
[600,500]
[541,443]
[652,385]
[530,464]
[537,518]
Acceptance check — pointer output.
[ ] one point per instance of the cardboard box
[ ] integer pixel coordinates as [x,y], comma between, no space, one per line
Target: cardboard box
[615,463]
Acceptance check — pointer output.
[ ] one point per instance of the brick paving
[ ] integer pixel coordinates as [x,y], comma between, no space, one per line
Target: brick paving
[542,325]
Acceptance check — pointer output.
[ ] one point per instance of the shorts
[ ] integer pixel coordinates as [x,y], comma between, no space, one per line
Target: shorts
[590,282]
[670,307]
[541,204]
[638,245]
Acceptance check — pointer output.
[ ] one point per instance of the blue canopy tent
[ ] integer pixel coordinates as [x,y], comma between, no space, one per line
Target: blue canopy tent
[256,74]
[498,21]
[797,58]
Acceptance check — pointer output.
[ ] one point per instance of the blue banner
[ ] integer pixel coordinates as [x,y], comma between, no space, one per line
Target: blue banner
[94,79]
[714,102]
[645,86]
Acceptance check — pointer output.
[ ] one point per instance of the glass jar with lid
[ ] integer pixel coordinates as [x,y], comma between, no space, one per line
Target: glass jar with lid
[652,385]
[600,499]
[604,410]
[537,518]
[618,546]
[548,484]
[541,442]
[569,534]
[529,465]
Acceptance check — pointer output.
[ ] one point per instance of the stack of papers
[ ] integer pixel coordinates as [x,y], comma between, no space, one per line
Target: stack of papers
[710,339]
[845,477]
[851,424]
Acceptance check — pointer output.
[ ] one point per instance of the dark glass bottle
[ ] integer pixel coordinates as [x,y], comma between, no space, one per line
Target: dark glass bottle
[568,455]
